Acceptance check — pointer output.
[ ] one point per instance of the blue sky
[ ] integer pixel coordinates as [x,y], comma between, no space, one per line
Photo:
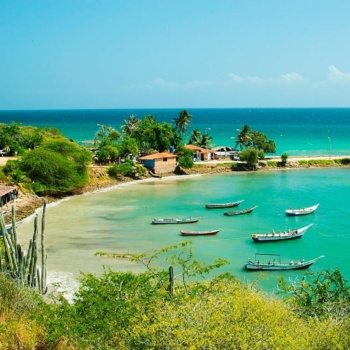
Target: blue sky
[77,54]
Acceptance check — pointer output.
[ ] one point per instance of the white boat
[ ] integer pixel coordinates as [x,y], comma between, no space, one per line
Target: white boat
[175,221]
[280,236]
[301,211]
[274,263]
[199,233]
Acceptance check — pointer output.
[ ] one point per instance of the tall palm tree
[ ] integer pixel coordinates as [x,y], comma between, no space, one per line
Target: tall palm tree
[244,139]
[130,125]
[182,121]
[206,140]
[195,138]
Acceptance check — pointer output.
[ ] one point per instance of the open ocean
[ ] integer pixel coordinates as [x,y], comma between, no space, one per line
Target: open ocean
[296,131]
[119,219]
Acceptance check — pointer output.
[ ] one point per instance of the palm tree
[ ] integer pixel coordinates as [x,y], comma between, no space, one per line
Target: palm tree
[195,138]
[130,125]
[182,121]
[206,140]
[244,139]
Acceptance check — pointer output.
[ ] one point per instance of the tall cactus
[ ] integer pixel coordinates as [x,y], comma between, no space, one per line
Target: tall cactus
[20,267]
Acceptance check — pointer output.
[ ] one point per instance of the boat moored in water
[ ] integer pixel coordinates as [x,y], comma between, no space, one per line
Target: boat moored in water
[274,263]
[240,212]
[223,205]
[301,211]
[199,233]
[280,236]
[175,221]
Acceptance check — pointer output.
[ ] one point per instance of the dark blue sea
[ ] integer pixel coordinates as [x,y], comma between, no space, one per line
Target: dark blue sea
[296,131]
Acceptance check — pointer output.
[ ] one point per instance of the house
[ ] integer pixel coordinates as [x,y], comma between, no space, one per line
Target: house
[159,163]
[200,153]
[225,152]
[7,194]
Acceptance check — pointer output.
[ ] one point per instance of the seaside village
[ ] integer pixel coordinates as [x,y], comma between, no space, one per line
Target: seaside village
[165,162]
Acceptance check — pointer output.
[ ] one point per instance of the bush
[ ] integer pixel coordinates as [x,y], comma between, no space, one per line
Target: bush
[321,162]
[343,161]
[272,163]
[52,171]
[128,169]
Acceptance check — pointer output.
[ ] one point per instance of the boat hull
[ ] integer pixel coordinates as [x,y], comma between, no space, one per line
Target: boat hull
[223,205]
[278,267]
[174,221]
[282,236]
[302,211]
[199,233]
[239,212]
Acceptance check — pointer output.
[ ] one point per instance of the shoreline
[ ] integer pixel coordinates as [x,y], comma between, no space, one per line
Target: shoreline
[27,204]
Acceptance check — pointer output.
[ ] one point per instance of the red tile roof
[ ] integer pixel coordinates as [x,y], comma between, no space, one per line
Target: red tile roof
[158,156]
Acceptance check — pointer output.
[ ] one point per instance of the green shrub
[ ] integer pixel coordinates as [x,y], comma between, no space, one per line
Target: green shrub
[52,171]
[127,168]
[343,161]
[303,163]
[321,162]
[271,163]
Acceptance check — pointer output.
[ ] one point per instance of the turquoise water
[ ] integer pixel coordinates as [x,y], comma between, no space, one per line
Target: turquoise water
[119,220]
[296,131]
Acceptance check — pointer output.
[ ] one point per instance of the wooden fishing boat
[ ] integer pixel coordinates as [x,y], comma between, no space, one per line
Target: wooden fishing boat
[199,233]
[280,236]
[223,205]
[240,212]
[272,262]
[301,211]
[175,221]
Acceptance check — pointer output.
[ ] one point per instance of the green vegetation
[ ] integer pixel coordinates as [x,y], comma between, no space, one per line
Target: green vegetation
[250,156]
[321,162]
[271,163]
[284,158]
[127,169]
[187,306]
[185,157]
[253,145]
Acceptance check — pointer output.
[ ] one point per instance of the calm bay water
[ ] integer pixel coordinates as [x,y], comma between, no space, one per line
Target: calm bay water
[119,220]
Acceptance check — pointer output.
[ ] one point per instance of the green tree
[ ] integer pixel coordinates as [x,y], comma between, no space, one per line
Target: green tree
[250,156]
[130,125]
[128,146]
[243,139]
[151,135]
[261,142]
[185,157]
[195,138]
[182,121]
[106,136]
[323,294]
[284,158]
[52,171]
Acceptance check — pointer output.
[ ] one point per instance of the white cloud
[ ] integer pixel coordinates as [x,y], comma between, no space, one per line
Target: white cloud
[334,74]
[288,77]
[249,79]
[292,77]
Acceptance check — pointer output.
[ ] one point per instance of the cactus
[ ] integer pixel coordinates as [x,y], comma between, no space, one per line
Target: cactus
[171,281]
[20,267]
